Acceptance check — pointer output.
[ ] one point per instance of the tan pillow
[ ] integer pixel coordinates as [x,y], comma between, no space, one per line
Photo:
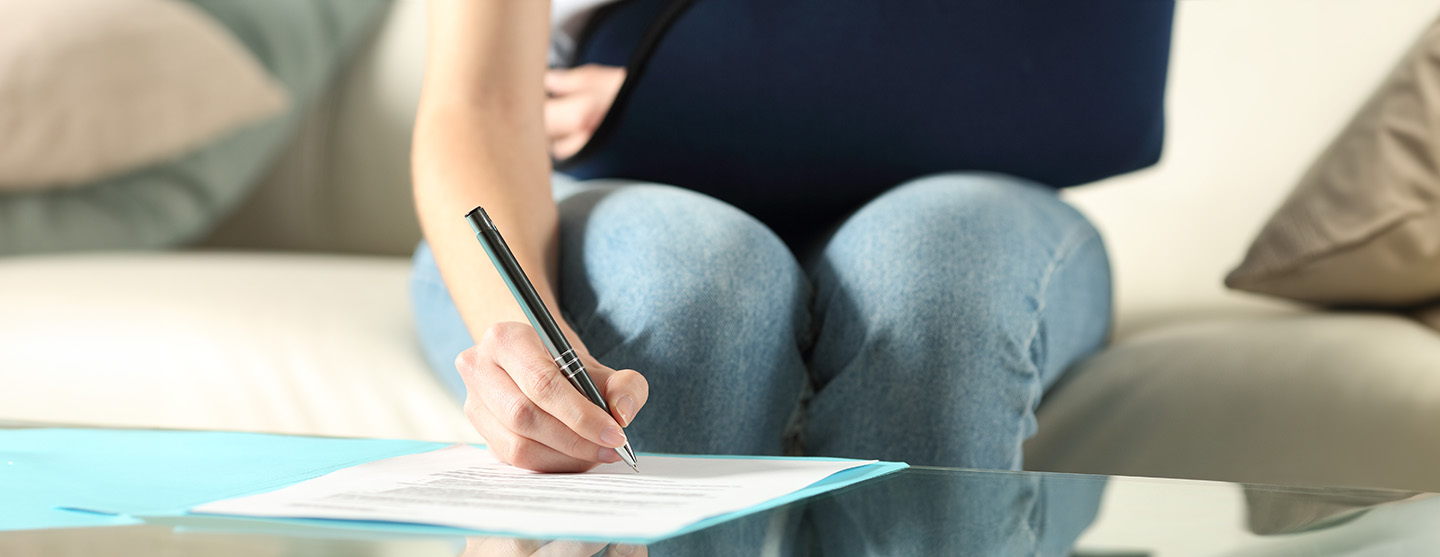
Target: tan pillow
[89,88]
[1363,224]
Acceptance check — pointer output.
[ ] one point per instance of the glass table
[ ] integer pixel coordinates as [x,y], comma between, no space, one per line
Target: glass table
[920,511]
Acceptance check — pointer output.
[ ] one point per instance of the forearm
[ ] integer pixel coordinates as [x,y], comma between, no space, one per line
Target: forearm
[458,166]
[480,140]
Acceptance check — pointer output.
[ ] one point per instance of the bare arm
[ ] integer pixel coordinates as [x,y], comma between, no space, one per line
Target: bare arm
[480,139]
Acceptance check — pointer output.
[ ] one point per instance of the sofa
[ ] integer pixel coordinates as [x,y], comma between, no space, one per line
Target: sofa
[292,316]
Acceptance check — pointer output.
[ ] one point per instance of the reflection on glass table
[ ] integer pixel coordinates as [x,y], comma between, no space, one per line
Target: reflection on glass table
[920,511]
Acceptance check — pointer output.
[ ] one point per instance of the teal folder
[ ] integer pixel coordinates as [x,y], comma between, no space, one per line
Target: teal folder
[62,478]
[55,478]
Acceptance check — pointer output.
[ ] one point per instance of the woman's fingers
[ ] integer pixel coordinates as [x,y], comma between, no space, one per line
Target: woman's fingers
[625,390]
[518,351]
[510,547]
[571,115]
[589,77]
[500,547]
[515,450]
[568,146]
[564,81]
[530,414]
[508,405]
[570,548]
[520,429]
[579,99]
[569,123]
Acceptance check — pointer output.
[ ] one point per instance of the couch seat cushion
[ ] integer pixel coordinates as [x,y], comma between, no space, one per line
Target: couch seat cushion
[282,343]
[1305,398]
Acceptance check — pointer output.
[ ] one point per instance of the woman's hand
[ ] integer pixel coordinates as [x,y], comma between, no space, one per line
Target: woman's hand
[578,100]
[531,416]
[511,547]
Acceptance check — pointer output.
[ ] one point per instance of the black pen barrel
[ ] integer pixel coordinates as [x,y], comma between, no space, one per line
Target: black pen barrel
[533,306]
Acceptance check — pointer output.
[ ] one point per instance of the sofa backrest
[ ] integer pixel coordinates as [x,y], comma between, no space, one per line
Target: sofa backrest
[344,184]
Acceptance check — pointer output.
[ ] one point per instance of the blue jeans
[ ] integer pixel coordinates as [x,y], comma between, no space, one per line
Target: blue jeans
[925,329]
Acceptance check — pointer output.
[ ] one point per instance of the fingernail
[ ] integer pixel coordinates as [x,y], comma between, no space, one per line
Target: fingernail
[622,549]
[626,407]
[608,455]
[612,437]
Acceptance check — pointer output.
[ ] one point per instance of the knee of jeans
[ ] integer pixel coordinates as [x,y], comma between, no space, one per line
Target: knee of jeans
[686,263]
[953,251]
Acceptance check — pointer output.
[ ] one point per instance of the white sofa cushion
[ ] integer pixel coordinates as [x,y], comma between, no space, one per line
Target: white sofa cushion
[281,343]
[1305,398]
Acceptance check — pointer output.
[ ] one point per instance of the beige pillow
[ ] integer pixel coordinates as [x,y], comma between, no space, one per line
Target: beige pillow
[1363,224]
[89,88]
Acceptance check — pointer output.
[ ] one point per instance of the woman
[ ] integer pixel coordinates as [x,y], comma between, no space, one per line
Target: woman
[912,317]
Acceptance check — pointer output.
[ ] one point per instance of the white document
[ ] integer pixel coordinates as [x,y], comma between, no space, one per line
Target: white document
[464,487]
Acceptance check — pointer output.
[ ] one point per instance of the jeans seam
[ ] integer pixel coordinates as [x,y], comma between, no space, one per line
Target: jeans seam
[1075,239]
[1080,235]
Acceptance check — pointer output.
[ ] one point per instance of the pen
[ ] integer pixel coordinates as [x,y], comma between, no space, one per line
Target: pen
[539,316]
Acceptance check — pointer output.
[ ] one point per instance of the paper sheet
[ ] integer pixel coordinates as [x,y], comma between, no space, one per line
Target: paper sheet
[464,487]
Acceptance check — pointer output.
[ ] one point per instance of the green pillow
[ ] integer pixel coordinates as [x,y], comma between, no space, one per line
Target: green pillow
[302,42]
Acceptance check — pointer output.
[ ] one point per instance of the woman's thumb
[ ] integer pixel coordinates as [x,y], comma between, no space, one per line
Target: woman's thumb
[625,392]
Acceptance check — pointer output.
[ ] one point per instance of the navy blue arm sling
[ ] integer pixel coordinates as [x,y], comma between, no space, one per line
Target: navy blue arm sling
[812,107]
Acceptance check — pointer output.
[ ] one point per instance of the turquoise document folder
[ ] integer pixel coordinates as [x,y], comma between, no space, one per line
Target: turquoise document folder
[93,477]
[57,478]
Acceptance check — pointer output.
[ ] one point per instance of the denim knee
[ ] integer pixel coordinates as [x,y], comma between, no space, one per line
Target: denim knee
[701,298]
[933,300]
[950,251]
